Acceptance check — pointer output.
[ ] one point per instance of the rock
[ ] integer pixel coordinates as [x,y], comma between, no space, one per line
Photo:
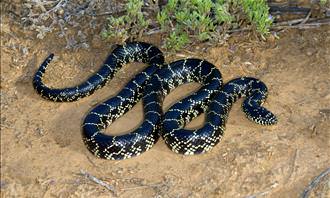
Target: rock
[310,51]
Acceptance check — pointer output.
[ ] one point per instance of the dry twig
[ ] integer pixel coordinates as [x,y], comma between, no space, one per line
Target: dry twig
[98,181]
[307,17]
[314,183]
[302,24]
[263,193]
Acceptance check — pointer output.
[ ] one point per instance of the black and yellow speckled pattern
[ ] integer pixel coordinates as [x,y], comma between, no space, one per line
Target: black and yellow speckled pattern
[136,51]
[152,85]
[190,142]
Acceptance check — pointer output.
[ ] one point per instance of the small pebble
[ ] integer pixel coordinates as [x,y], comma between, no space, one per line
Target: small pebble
[60,11]
[310,51]
[25,50]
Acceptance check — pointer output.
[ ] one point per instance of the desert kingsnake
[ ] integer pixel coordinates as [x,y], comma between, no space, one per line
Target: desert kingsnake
[152,85]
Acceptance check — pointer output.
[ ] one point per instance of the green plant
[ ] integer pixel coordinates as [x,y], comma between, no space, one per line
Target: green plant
[187,19]
[177,40]
[325,3]
[184,21]
[257,13]
[133,23]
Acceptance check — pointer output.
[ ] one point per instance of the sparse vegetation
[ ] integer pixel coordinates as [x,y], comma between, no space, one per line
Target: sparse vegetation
[184,21]
[181,22]
[257,13]
[133,23]
[72,20]
[325,3]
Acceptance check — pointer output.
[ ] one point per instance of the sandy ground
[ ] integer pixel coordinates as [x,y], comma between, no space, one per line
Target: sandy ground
[42,153]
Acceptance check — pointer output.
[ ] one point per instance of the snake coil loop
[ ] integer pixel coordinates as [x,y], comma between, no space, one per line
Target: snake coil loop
[152,85]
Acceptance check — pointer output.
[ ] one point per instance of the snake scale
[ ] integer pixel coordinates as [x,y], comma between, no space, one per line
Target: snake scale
[152,85]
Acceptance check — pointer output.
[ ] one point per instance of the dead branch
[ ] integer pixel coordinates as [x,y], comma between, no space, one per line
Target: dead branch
[305,25]
[263,193]
[306,18]
[293,165]
[276,9]
[296,23]
[98,181]
[314,183]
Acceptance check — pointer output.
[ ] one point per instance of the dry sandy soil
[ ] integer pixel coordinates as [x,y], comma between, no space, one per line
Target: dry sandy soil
[42,153]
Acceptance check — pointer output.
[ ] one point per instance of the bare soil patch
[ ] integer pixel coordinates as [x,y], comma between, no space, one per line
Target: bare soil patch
[42,152]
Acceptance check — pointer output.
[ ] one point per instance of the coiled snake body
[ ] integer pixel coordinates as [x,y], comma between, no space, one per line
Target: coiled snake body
[152,85]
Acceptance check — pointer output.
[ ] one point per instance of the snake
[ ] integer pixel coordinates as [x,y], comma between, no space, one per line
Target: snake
[152,85]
